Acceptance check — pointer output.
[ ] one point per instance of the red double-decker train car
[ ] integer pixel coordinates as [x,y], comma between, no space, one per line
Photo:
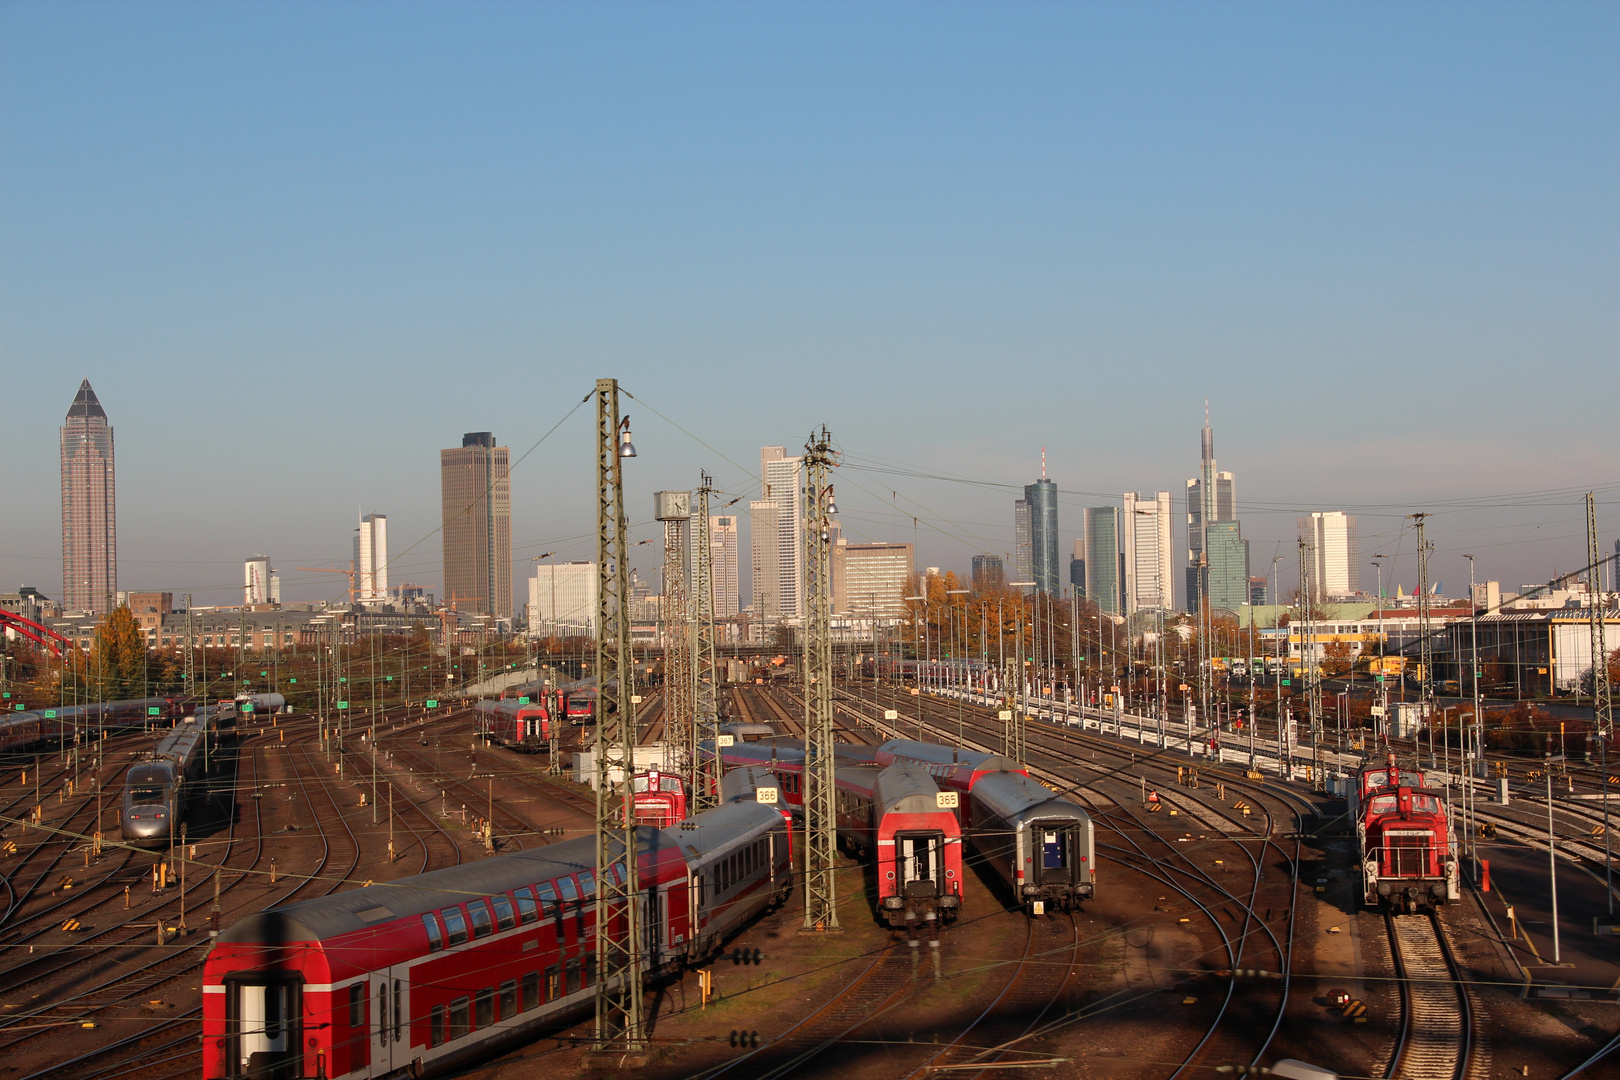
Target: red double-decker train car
[424,975]
[521,723]
[1403,835]
[901,819]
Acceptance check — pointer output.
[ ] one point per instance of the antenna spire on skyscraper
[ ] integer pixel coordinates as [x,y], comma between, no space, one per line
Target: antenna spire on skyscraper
[1043,463]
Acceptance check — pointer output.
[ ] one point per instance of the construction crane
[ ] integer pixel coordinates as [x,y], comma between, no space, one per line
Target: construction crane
[351,573]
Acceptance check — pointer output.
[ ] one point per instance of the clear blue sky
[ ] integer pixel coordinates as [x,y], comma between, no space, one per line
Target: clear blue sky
[298,248]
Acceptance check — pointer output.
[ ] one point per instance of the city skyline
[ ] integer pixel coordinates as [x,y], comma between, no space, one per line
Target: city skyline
[1243,204]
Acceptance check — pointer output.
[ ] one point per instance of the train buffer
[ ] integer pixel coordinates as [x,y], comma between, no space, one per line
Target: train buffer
[1356,1011]
[67,882]
[72,924]
[1597,830]
[1153,807]
[9,847]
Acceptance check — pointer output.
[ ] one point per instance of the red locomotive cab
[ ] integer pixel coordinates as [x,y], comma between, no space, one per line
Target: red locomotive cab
[1407,861]
[660,799]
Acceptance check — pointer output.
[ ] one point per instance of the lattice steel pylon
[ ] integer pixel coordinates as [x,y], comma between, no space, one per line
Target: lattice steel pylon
[1309,665]
[674,509]
[1012,729]
[620,1025]
[820,819]
[1425,639]
[705,786]
[1602,692]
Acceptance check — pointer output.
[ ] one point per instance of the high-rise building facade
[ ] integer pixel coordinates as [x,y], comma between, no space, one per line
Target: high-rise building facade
[371,559]
[1023,552]
[1333,554]
[89,507]
[1041,498]
[256,577]
[1228,578]
[1104,559]
[776,522]
[723,550]
[873,579]
[1149,585]
[989,572]
[1077,569]
[476,495]
[1212,499]
[562,599]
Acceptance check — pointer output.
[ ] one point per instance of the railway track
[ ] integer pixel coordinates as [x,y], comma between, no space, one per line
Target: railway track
[1041,983]
[1435,1038]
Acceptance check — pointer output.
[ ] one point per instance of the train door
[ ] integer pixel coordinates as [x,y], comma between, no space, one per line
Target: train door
[1056,852]
[917,859]
[264,1028]
[391,1020]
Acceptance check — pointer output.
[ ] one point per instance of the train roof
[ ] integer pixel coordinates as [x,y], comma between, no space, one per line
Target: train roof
[179,744]
[901,788]
[722,826]
[740,784]
[927,753]
[1013,794]
[346,912]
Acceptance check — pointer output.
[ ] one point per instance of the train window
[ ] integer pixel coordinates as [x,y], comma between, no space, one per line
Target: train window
[572,981]
[505,918]
[484,1008]
[357,1005]
[1425,804]
[435,939]
[481,924]
[553,983]
[587,884]
[456,924]
[436,1026]
[570,891]
[382,1012]
[525,905]
[531,990]
[458,1017]
[509,999]
[548,900]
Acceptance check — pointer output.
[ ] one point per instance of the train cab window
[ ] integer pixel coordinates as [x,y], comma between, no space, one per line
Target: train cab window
[531,990]
[509,999]
[357,1005]
[1425,804]
[436,1026]
[484,1008]
[525,905]
[145,795]
[1383,804]
[481,922]
[554,988]
[459,1025]
[430,923]
[456,925]
[505,917]
[570,891]
[549,904]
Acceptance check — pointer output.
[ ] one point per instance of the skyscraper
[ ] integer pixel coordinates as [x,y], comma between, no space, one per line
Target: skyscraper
[1077,568]
[1333,560]
[1023,553]
[1041,498]
[1228,566]
[256,575]
[722,564]
[1104,558]
[476,495]
[371,559]
[1148,581]
[1212,498]
[562,599]
[988,572]
[778,537]
[89,507]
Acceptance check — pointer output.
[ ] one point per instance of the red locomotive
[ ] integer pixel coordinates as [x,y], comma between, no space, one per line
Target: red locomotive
[660,798]
[1403,835]
[422,975]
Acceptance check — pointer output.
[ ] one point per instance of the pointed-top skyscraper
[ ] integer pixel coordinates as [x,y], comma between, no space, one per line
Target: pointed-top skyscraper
[89,509]
[1214,538]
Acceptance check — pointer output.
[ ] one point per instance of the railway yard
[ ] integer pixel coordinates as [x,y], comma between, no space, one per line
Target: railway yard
[1226,933]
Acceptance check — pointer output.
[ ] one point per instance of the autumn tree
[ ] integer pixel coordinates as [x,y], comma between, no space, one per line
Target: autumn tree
[117,667]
